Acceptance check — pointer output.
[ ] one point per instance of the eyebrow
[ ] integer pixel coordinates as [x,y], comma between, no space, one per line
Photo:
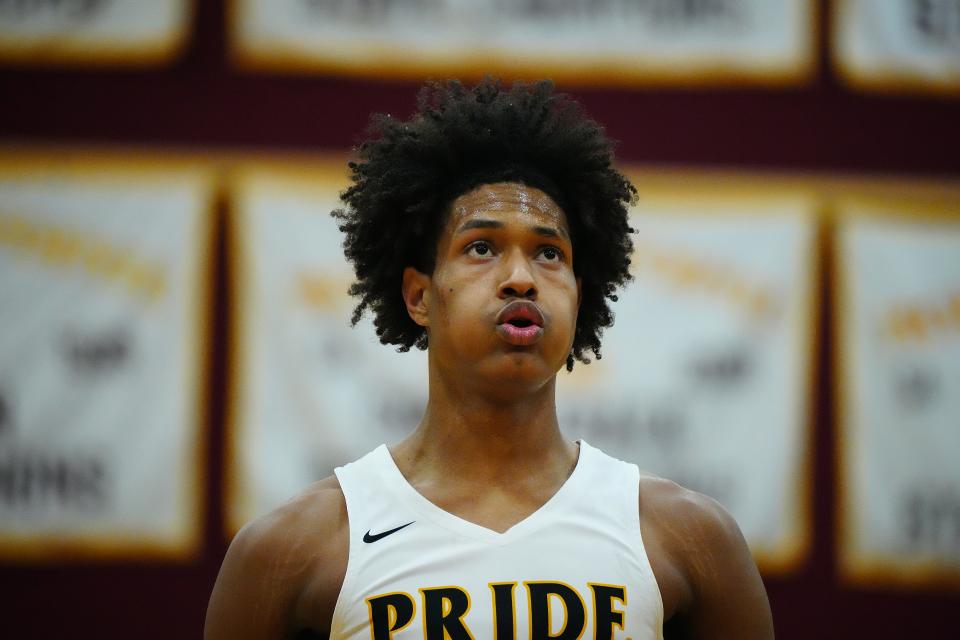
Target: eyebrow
[550,232]
[485,223]
[480,223]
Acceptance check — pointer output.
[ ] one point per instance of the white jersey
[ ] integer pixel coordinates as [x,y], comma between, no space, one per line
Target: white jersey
[574,569]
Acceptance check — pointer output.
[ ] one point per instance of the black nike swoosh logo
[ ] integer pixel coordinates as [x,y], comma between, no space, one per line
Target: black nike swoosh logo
[373,538]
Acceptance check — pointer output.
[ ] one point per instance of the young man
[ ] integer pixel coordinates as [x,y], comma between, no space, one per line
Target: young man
[492,229]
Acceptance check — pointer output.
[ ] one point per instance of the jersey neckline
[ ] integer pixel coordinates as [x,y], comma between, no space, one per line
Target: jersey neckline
[399,485]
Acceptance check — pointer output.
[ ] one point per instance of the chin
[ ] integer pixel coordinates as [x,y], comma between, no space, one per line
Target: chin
[519,371]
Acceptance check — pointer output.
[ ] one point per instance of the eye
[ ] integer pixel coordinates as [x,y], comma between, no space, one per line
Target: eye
[551,254]
[479,249]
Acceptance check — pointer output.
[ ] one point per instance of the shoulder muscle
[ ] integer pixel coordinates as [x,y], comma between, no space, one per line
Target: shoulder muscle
[722,593]
[273,559]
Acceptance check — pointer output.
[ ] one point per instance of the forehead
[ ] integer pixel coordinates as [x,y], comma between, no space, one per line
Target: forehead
[507,197]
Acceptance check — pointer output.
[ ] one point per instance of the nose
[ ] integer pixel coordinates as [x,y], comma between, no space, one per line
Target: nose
[518,281]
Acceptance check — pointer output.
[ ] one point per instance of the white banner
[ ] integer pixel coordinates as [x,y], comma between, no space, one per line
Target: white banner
[899,433]
[893,44]
[311,392]
[100,357]
[582,41]
[92,31]
[705,376]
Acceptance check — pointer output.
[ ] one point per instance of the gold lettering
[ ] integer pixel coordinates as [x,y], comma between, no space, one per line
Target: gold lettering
[60,247]
[907,324]
[65,248]
[953,307]
[688,273]
[317,291]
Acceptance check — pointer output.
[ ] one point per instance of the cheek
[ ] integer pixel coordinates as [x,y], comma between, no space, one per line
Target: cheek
[573,307]
[448,298]
[440,309]
[564,306]
[568,289]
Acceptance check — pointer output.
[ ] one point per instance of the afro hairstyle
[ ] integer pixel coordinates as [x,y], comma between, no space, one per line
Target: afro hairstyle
[407,173]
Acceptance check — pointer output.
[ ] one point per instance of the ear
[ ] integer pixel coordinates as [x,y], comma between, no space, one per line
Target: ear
[416,295]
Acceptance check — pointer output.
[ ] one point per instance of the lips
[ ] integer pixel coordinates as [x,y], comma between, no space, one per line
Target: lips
[520,323]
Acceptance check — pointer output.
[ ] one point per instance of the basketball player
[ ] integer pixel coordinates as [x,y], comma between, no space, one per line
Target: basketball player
[491,229]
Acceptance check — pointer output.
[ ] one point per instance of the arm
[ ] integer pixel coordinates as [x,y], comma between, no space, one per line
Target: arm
[711,586]
[283,572]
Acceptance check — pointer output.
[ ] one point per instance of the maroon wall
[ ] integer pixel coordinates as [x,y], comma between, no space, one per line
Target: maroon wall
[201,102]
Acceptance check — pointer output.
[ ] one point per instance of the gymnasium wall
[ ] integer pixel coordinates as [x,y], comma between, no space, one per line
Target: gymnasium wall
[175,357]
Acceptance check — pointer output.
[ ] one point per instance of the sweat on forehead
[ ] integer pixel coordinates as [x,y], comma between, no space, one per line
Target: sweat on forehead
[506,195]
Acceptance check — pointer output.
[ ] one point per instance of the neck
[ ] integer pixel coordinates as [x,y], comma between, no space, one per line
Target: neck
[484,435]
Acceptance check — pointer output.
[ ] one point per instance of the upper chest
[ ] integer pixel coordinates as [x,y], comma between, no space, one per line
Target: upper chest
[497,507]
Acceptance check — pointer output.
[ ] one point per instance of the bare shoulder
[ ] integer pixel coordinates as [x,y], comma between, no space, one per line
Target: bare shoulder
[294,527]
[283,571]
[686,520]
[697,551]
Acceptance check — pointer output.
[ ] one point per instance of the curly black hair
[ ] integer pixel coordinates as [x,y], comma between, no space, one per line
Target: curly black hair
[409,171]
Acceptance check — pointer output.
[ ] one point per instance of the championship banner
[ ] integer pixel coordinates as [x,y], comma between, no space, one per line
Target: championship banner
[616,42]
[309,392]
[706,375]
[898,44]
[103,269]
[78,32]
[898,441]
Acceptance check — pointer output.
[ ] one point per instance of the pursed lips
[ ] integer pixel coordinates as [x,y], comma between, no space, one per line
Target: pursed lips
[520,323]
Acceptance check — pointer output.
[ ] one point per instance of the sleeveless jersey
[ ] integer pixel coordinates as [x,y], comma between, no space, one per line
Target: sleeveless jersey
[574,569]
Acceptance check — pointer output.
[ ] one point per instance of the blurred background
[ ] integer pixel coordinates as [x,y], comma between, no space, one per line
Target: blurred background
[175,355]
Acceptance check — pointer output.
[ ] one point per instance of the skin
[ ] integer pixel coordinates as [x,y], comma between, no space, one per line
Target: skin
[491,403]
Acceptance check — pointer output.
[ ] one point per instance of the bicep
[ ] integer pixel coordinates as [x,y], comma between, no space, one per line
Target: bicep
[250,600]
[274,562]
[730,600]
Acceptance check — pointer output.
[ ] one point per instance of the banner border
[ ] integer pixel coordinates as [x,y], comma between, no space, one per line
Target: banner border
[298,175]
[292,59]
[886,82]
[104,53]
[853,567]
[186,544]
